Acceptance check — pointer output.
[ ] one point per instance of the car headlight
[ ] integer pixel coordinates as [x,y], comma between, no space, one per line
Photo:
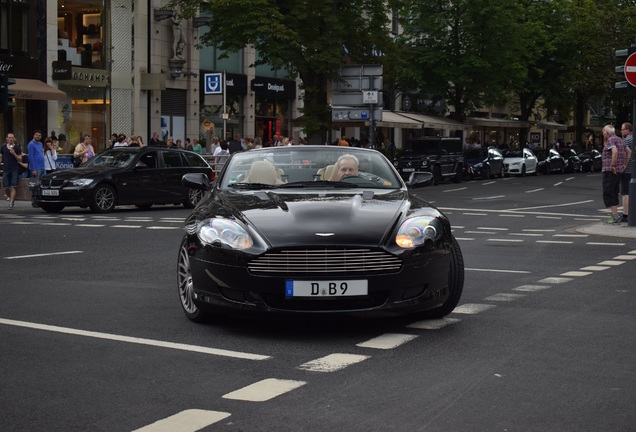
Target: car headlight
[224,231]
[80,182]
[414,232]
[515,164]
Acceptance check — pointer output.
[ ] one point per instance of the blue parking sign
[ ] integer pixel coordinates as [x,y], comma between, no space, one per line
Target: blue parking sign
[213,83]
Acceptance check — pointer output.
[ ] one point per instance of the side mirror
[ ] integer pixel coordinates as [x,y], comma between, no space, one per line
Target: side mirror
[420,179]
[196,181]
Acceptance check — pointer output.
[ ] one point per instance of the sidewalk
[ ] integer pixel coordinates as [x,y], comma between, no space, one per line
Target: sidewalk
[602,229]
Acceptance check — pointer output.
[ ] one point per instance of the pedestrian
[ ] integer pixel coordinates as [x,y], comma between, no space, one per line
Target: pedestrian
[10,155]
[50,155]
[626,176]
[170,142]
[84,150]
[196,147]
[235,144]
[179,143]
[140,141]
[613,158]
[188,144]
[121,141]
[114,139]
[154,141]
[36,160]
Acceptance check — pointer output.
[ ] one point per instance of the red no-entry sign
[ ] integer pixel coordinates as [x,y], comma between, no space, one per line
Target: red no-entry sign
[630,69]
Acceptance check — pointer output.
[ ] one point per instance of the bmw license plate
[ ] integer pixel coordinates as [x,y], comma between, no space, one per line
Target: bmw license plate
[331,288]
[50,192]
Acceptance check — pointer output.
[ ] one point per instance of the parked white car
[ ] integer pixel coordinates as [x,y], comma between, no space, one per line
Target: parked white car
[520,162]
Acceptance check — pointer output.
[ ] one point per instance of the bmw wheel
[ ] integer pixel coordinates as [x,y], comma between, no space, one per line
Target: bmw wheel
[186,286]
[104,199]
[455,283]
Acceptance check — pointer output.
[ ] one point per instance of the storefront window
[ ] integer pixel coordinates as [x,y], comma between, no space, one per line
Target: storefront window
[212,119]
[85,112]
[81,33]
[14,19]
[272,118]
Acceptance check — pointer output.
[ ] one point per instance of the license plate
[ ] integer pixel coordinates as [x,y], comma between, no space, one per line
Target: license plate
[331,288]
[408,169]
[50,192]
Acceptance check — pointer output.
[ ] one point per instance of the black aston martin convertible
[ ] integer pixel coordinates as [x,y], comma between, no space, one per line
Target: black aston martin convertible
[316,230]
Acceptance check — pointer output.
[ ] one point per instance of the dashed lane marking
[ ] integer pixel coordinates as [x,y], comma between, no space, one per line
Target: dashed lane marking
[498,271]
[611,263]
[135,340]
[472,308]
[434,324]
[512,215]
[186,421]
[480,232]
[595,268]
[475,214]
[332,362]
[535,190]
[538,230]
[387,341]
[531,288]
[264,390]
[555,280]
[43,255]
[554,242]
[604,244]
[571,235]
[550,217]
[126,226]
[163,228]
[625,257]
[505,240]
[527,234]
[504,297]
[90,225]
[492,229]
[575,273]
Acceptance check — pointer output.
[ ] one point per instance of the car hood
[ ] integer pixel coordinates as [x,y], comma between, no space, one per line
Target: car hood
[511,160]
[362,218]
[84,172]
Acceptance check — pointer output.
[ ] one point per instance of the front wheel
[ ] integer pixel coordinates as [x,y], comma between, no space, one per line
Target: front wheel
[186,286]
[523,170]
[455,283]
[194,196]
[104,199]
[437,175]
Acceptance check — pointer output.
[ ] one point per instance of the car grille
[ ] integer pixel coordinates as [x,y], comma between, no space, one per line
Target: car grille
[52,182]
[328,261]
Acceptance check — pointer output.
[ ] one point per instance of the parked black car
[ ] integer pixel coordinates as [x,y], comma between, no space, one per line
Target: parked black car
[484,162]
[572,161]
[440,155]
[274,236]
[591,161]
[550,161]
[121,176]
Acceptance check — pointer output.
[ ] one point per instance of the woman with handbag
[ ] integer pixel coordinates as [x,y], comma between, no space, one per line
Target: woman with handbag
[83,151]
[50,155]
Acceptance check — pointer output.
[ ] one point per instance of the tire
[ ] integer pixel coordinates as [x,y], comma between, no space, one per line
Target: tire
[52,208]
[457,178]
[194,196]
[523,170]
[104,199]
[455,283]
[502,172]
[437,175]
[186,286]
[487,174]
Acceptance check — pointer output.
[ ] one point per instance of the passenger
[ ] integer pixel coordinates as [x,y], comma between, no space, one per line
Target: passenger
[346,166]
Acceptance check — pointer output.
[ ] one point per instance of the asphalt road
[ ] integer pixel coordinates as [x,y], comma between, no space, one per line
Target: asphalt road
[93,338]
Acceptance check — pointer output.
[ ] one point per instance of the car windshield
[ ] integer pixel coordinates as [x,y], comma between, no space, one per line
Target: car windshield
[513,153]
[309,167]
[115,159]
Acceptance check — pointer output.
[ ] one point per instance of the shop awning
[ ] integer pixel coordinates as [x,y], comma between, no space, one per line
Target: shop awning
[392,119]
[496,122]
[35,89]
[435,122]
[549,125]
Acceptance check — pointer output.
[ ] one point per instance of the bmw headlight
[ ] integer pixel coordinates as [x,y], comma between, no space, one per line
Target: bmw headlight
[414,232]
[80,182]
[224,231]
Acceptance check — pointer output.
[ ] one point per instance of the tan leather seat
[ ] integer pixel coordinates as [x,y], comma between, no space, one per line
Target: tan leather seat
[326,172]
[262,172]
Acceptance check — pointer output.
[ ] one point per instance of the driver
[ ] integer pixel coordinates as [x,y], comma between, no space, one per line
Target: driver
[346,166]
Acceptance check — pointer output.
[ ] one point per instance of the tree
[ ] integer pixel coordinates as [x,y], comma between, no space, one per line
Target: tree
[309,39]
[463,52]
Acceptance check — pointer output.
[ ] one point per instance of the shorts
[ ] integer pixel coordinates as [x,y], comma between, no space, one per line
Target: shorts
[10,179]
[611,183]
[625,179]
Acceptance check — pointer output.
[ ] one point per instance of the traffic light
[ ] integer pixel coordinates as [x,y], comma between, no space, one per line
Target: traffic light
[628,73]
[6,95]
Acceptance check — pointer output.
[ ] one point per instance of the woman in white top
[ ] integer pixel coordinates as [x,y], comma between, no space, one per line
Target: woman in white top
[50,155]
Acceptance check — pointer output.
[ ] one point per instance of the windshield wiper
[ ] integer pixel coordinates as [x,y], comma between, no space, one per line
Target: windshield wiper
[253,186]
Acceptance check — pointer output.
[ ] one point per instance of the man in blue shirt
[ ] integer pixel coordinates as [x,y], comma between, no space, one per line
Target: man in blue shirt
[36,159]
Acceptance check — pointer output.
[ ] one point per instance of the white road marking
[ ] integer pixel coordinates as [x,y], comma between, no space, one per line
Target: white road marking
[488,183]
[527,234]
[135,340]
[435,324]
[632,252]
[498,271]
[332,362]
[611,263]
[472,308]
[264,390]
[90,225]
[604,244]
[493,229]
[489,197]
[506,240]
[554,242]
[569,178]
[504,297]
[512,215]
[23,223]
[558,184]
[43,255]
[587,219]
[531,288]
[625,257]
[595,268]
[163,228]
[387,341]
[553,205]
[126,226]
[455,190]
[464,238]
[575,273]
[550,217]
[555,280]
[535,190]
[475,214]
[480,232]
[538,230]
[571,235]
[56,224]
[186,421]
